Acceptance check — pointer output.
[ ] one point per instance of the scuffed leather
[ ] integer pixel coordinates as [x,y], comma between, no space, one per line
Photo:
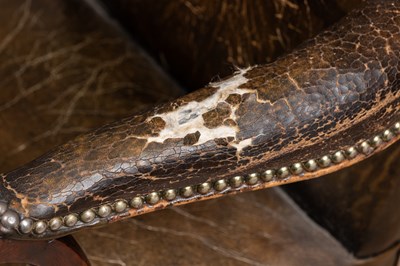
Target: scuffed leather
[62,77]
[288,109]
[362,232]
[125,250]
[202,40]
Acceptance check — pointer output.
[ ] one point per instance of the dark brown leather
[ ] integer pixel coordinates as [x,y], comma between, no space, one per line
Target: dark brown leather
[285,113]
[253,228]
[309,226]
[62,77]
[358,206]
[332,196]
[62,252]
[202,40]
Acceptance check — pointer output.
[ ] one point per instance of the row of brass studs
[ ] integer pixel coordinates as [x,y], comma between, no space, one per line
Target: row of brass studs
[120,206]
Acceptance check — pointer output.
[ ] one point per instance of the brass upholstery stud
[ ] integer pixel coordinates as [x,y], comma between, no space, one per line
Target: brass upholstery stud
[252,178]
[10,219]
[204,188]
[55,223]
[324,161]
[187,192]
[70,220]
[40,227]
[365,147]
[220,185]
[170,194]
[283,172]
[88,216]
[120,206]
[236,181]
[388,135]
[376,141]
[351,152]
[338,157]
[104,210]
[296,168]
[268,175]
[26,226]
[397,128]
[152,198]
[137,203]
[310,165]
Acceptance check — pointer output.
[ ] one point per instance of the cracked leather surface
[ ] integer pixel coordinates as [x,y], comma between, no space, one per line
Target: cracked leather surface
[157,225]
[364,237]
[323,90]
[263,30]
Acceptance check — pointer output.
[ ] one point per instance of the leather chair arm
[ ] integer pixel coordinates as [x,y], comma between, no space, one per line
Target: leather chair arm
[329,104]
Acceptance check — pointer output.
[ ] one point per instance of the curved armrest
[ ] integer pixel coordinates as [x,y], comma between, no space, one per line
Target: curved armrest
[328,105]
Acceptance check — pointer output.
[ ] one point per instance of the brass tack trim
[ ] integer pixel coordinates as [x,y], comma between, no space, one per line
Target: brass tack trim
[283,172]
[296,169]
[55,223]
[27,225]
[120,206]
[388,135]
[70,220]
[338,157]
[88,216]
[396,128]
[351,153]
[152,198]
[187,192]
[104,210]
[252,179]
[268,175]
[376,141]
[136,202]
[236,181]
[40,227]
[204,188]
[324,161]
[220,185]
[311,165]
[169,194]
[365,147]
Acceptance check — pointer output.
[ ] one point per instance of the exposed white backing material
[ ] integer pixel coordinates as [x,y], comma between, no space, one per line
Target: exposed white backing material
[188,118]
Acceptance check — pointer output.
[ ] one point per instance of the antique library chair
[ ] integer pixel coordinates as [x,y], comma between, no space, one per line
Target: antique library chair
[112,155]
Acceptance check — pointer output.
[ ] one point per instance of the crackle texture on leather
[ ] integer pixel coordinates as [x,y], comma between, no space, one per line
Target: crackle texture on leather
[332,88]
[343,88]
[214,36]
